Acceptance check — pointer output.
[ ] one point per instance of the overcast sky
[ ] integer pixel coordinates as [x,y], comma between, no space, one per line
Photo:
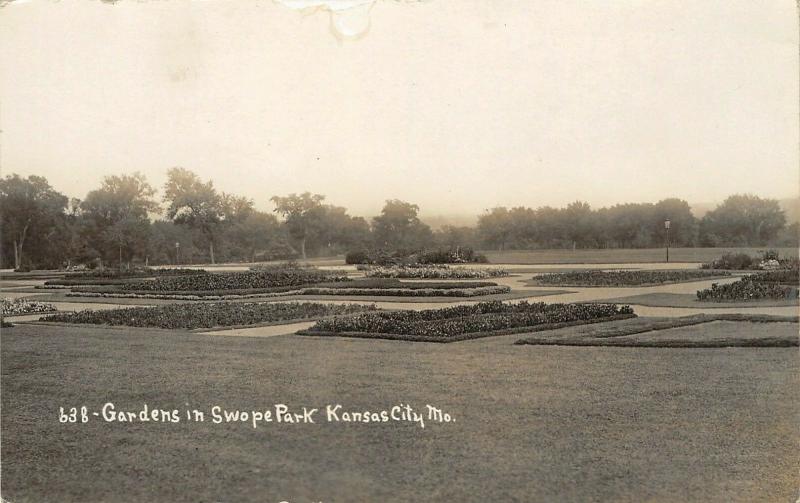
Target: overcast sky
[456,105]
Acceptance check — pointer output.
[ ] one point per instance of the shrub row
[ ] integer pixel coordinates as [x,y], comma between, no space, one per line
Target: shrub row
[24,306]
[483,317]
[432,272]
[623,278]
[208,315]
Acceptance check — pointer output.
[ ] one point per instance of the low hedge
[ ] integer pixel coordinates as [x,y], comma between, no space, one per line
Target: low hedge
[623,278]
[208,315]
[460,322]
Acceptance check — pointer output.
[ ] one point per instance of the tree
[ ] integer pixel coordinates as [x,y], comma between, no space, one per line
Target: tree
[300,213]
[399,227]
[30,209]
[254,233]
[194,203]
[117,215]
[494,227]
[743,220]
[683,224]
[578,224]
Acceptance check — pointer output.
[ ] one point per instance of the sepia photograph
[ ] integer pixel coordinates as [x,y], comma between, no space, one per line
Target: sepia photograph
[319,251]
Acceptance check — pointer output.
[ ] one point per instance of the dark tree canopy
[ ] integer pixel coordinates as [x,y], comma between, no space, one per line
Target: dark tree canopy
[31,211]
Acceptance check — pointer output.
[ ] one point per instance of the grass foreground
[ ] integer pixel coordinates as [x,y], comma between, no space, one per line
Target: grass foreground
[548,424]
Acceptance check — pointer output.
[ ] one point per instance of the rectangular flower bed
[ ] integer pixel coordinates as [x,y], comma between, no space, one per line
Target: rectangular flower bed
[207,315]
[236,280]
[432,272]
[624,278]
[466,322]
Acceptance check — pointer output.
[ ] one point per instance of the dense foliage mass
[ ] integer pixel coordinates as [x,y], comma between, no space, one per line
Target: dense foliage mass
[623,278]
[207,315]
[432,272]
[24,306]
[483,317]
[779,284]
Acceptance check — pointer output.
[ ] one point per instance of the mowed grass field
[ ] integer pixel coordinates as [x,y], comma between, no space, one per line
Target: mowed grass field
[532,423]
[621,256]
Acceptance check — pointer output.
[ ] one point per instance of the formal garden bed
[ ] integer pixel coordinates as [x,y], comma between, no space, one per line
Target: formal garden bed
[340,286]
[431,271]
[208,315]
[459,323]
[770,285]
[408,257]
[23,306]
[611,279]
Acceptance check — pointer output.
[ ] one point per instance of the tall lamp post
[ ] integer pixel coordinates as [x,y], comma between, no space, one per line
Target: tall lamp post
[666,226]
[177,252]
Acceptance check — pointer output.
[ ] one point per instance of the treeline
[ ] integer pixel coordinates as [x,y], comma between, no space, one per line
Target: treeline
[741,220]
[123,222]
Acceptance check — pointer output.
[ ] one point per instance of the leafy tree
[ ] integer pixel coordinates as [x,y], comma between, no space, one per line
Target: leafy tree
[254,232]
[398,227]
[450,236]
[117,215]
[578,224]
[683,224]
[196,204]
[494,228]
[743,220]
[301,213]
[31,209]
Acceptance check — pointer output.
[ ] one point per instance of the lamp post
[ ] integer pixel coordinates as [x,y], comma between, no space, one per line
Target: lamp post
[666,226]
[177,252]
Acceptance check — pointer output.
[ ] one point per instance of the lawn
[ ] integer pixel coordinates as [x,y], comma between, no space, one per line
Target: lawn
[620,256]
[532,423]
[667,299]
[697,331]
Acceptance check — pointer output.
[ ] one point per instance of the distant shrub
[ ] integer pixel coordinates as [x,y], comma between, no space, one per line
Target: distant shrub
[356,257]
[732,261]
